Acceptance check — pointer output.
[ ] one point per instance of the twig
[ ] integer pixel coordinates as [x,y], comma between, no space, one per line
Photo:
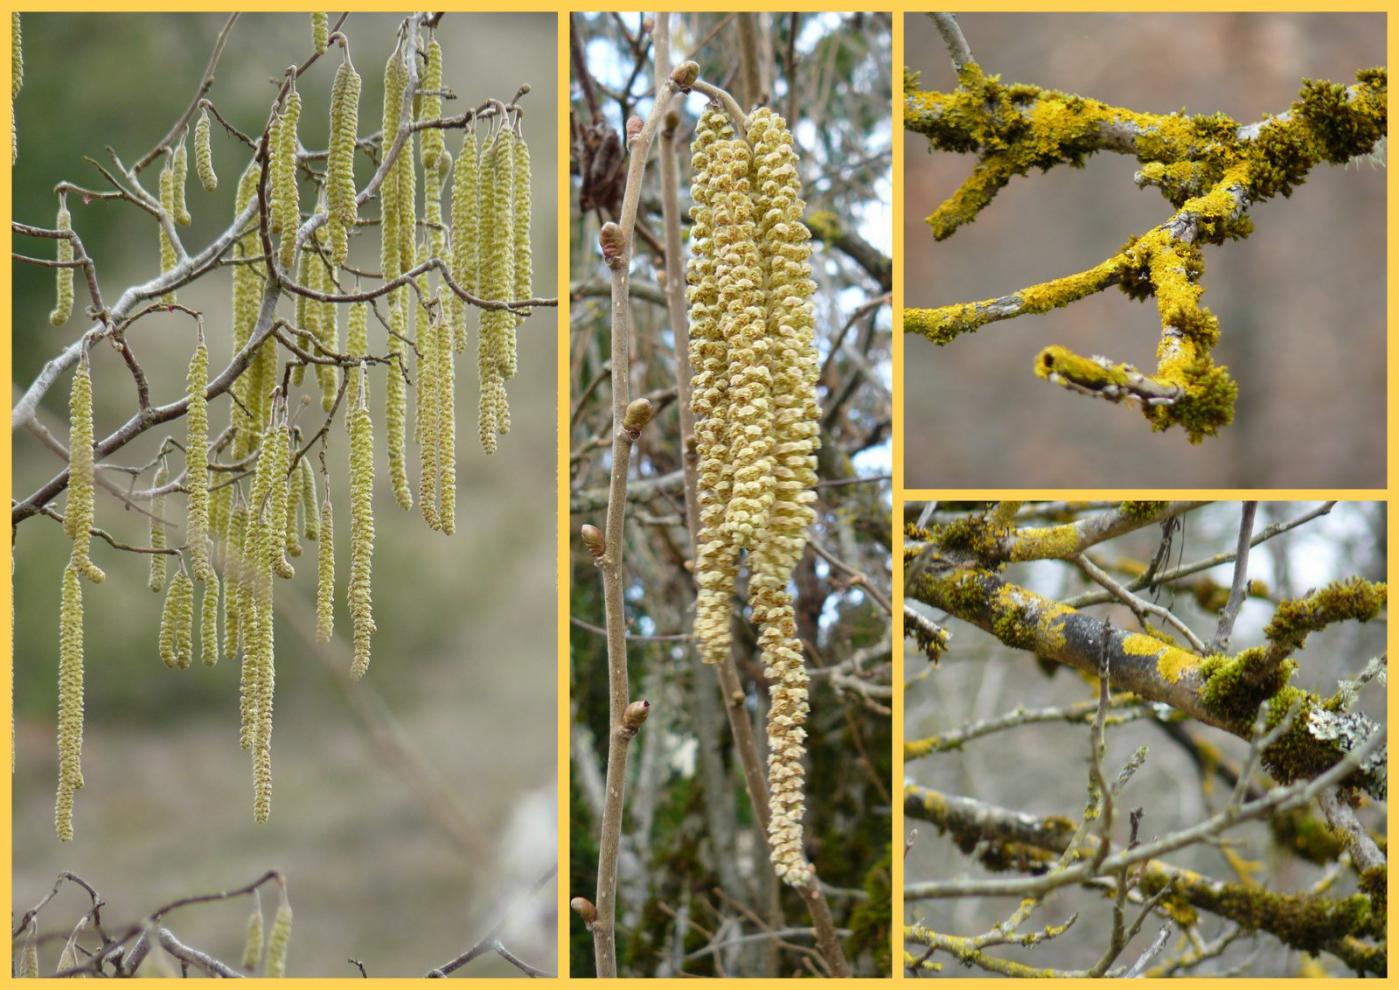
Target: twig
[1239,591]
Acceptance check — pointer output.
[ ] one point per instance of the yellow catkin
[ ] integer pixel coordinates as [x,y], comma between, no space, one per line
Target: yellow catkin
[306,313]
[446,437]
[197,461]
[70,700]
[248,414]
[310,506]
[520,210]
[396,398]
[390,215]
[292,537]
[716,561]
[204,154]
[252,941]
[278,940]
[156,578]
[325,575]
[166,640]
[182,590]
[361,431]
[220,504]
[433,139]
[63,305]
[328,334]
[285,199]
[209,622]
[356,345]
[168,258]
[28,966]
[274,462]
[16,79]
[466,231]
[320,32]
[234,585]
[180,167]
[340,160]
[428,416]
[497,262]
[406,171]
[78,519]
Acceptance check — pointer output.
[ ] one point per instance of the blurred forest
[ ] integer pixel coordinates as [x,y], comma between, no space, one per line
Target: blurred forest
[401,822]
[1039,768]
[1301,302]
[696,890]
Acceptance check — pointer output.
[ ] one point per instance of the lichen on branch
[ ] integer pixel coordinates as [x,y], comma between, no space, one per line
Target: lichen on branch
[1212,171]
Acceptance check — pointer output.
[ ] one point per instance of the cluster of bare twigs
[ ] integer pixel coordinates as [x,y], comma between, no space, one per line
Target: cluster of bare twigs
[1321,753]
[651,517]
[89,947]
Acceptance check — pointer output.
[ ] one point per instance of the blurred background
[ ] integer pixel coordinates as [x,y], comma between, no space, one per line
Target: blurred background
[1042,769]
[1300,302]
[407,809]
[695,885]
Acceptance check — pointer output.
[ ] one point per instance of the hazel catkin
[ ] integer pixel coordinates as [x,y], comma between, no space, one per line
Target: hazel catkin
[180,167]
[520,212]
[252,940]
[78,519]
[155,579]
[70,700]
[396,398]
[325,574]
[168,258]
[361,531]
[390,214]
[16,80]
[433,139]
[285,200]
[204,153]
[320,32]
[197,461]
[209,621]
[63,304]
[234,592]
[466,231]
[340,160]
[278,940]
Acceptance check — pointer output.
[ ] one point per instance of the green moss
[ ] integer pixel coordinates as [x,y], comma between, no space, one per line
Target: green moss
[1374,883]
[872,918]
[1234,687]
[1306,836]
[1142,512]
[1354,598]
[1044,542]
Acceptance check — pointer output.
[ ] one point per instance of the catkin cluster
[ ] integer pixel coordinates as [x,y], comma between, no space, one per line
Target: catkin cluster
[754,361]
[16,80]
[251,489]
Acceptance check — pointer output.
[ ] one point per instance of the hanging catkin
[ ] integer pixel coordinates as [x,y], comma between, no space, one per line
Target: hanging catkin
[310,507]
[406,171]
[754,392]
[325,574]
[252,940]
[197,461]
[361,527]
[285,199]
[248,415]
[466,231]
[234,585]
[396,398]
[177,622]
[180,166]
[446,437]
[278,940]
[340,161]
[209,621]
[70,700]
[63,305]
[16,80]
[428,414]
[520,208]
[204,154]
[156,578]
[430,108]
[29,953]
[77,520]
[167,245]
[320,32]
[390,215]
[497,277]
[716,562]
[274,462]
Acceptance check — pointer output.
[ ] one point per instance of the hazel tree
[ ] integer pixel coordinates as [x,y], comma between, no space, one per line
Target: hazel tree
[253,474]
[1270,744]
[1211,170]
[742,520]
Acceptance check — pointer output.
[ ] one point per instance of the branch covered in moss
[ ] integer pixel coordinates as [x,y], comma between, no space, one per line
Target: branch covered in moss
[1209,168]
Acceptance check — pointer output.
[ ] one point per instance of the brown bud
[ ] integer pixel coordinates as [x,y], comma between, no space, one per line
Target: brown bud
[672,122]
[592,539]
[584,909]
[634,126]
[633,717]
[685,74]
[612,242]
[638,414]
